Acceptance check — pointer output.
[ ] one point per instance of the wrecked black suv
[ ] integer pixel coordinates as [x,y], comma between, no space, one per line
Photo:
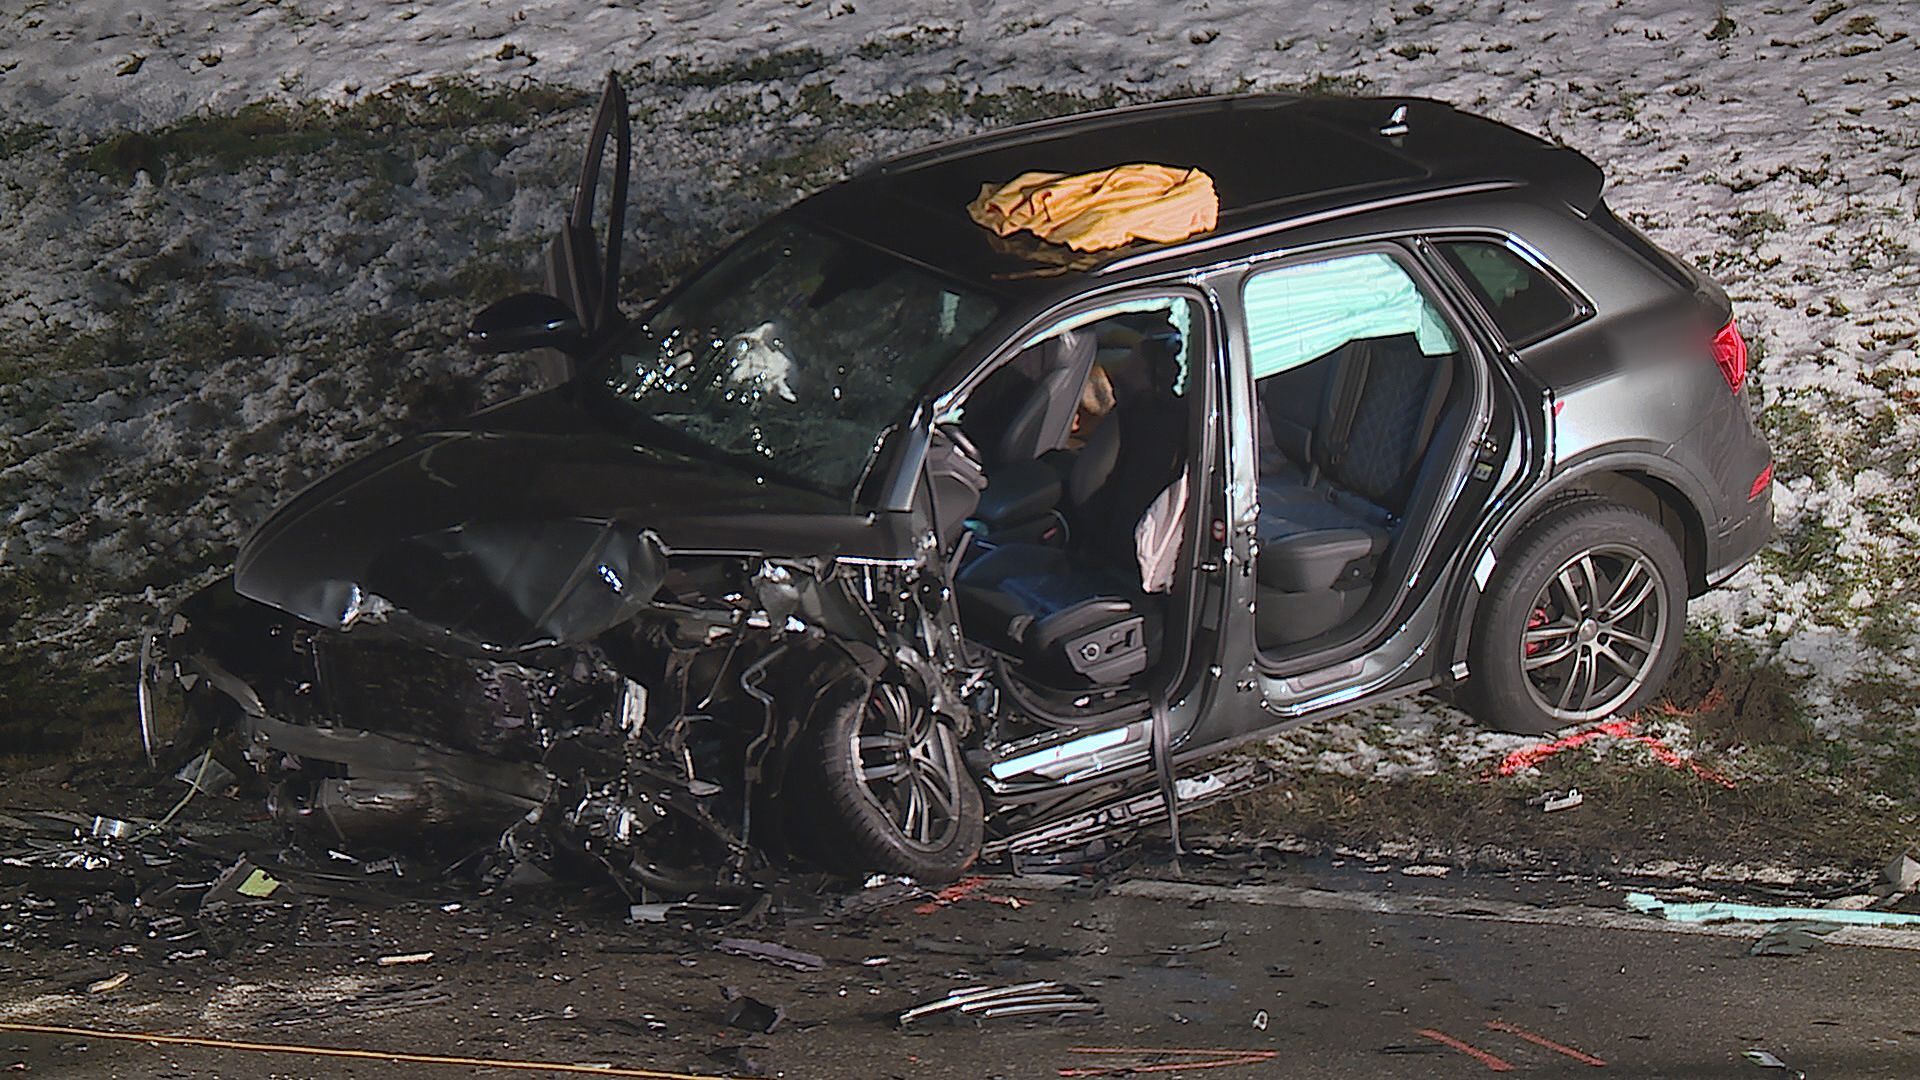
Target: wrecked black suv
[884,541]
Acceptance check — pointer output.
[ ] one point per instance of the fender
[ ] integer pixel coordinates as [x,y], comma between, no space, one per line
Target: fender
[1467,588]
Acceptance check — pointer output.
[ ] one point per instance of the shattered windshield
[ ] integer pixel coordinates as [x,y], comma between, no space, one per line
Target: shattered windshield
[795,353]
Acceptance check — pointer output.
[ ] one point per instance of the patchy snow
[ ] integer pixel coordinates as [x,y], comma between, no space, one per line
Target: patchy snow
[180,351]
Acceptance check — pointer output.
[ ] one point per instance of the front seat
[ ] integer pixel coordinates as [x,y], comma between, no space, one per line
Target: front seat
[1077,617]
[1024,409]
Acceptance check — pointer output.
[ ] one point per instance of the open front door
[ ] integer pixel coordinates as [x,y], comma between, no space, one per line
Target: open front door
[580,272]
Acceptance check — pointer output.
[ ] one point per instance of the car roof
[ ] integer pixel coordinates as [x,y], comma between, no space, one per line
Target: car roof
[1277,161]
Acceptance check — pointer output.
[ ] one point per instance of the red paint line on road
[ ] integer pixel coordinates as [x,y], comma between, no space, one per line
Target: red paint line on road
[1542,1040]
[1497,1064]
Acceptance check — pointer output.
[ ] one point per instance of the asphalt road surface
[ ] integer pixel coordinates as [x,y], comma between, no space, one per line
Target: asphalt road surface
[1313,970]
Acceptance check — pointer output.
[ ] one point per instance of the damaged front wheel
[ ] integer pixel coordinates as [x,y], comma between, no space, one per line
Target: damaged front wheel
[896,789]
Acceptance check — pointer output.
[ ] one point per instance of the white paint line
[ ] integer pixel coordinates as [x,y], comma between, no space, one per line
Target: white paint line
[1472,909]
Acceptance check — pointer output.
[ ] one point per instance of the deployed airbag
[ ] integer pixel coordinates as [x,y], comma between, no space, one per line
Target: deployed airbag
[1100,210]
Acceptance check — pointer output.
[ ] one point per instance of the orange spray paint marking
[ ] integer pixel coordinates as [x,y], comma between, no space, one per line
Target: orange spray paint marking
[1497,1064]
[1528,756]
[967,888]
[1542,1040]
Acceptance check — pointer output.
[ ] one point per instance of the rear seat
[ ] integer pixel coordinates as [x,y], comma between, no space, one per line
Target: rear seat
[1346,434]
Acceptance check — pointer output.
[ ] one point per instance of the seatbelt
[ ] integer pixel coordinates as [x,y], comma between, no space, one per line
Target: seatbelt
[1350,382]
[1162,745]
[1441,382]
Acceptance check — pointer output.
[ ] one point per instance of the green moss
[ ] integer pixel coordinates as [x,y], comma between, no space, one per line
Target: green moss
[765,67]
[920,39]
[22,137]
[275,129]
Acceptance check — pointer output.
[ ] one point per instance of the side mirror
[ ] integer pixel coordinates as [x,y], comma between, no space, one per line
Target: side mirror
[525,321]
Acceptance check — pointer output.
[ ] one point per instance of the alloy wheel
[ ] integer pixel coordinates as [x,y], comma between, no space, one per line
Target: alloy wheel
[909,764]
[1595,633]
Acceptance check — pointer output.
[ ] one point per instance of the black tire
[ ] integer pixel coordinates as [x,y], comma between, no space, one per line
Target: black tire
[895,794]
[1583,620]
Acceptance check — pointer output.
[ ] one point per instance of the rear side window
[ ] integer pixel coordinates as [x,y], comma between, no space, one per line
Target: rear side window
[1524,301]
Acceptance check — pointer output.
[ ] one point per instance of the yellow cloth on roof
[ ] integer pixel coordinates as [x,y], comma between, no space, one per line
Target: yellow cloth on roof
[1100,210]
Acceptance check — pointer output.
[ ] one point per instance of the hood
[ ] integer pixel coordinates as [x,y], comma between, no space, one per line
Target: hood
[532,525]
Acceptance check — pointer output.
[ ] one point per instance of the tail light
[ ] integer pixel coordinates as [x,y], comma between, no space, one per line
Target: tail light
[1730,352]
[1760,483]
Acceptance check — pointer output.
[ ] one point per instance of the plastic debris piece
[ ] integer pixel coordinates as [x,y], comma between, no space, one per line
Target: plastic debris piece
[771,953]
[1031,1000]
[405,958]
[206,775]
[258,885]
[111,982]
[107,828]
[750,1013]
[1903,873]
[1194,947]
[245,883]
[1260,1020]
[1785,940]
[1720,911]
[1568,801]
[1767,1061]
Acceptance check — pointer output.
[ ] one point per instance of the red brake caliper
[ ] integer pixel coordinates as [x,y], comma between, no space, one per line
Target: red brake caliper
[1534,622]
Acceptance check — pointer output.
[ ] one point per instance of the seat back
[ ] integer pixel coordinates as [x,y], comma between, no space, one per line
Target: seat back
[1040,422]
[1384,417]
[1139,449]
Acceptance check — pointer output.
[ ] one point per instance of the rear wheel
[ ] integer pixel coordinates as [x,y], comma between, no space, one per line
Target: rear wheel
[1583,620]
[897,794]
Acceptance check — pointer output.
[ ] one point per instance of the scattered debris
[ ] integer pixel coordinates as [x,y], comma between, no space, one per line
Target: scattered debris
[111,982]
[1767,1061]
[1031,1000]
[750,1013]
[1790,939]
[405,958]
[107,828]
[1568,801]
[1147,1059]
[1721,911]
[1198,946]
[771,953]
[243,883]
[207,775]
[1260,1020]
[1426,870]
[1902,875]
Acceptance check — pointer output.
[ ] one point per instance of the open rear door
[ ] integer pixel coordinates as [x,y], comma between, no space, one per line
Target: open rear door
[580,272]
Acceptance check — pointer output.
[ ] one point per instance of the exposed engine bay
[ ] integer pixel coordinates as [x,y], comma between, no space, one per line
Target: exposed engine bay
[658,751]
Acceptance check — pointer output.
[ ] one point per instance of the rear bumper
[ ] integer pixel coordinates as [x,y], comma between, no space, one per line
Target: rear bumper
[1740,538]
